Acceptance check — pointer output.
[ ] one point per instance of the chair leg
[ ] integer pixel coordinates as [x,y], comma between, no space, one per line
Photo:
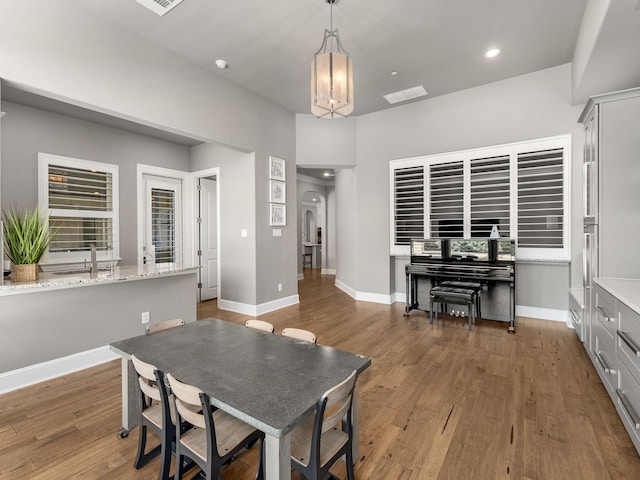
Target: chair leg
[165,462]
[349,459]
[142,443]
[260,474]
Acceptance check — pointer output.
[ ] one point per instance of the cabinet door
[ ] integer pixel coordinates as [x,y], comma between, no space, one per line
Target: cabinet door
[619,184]
[590,169]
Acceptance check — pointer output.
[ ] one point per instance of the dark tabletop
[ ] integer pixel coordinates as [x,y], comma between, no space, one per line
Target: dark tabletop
[267,380]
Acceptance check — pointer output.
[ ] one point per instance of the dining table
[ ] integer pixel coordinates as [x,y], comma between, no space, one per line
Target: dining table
[269,381]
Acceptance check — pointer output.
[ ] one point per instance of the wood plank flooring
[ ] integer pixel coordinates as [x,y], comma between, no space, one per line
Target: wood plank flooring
[438,402]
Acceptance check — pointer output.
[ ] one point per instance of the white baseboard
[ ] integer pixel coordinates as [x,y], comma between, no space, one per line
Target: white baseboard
[277,304]
[374,297]
[346,289]
[300,276]
[542,313]
[328,271]
[23,377]
[255,310]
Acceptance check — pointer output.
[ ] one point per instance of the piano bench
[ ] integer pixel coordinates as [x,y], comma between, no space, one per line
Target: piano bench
[453,295]
[475,286]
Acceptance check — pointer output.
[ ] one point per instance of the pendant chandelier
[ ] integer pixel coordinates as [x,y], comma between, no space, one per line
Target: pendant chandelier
[331,77]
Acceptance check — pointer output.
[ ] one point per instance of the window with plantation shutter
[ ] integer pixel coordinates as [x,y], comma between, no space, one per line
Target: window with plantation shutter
[541,199]
[163,224]
[80,198]
[446,201]
[521,188]
[490,182]
[408,204]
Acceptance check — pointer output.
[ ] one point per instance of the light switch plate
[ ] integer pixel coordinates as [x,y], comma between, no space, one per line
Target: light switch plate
[277,232]
[243,233]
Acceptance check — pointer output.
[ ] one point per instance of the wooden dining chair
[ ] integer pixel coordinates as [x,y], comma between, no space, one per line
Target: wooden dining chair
[164,325]
[155,413]
[299,334]
[214,437]
[260,325]
[318,442]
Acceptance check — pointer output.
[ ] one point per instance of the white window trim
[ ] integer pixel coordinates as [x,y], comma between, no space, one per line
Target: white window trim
[74,258]
[556,254]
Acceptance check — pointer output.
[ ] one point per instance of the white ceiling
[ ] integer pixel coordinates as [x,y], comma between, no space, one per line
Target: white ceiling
[435,43]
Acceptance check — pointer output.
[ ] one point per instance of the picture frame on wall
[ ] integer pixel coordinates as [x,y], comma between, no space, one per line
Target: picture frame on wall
[277,191]
[276,169]
[278,217]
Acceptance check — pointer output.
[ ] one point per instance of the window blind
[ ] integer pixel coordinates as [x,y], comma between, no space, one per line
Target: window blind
[446,206]
[163,224]
[490,195]
[540,199]
[408,204]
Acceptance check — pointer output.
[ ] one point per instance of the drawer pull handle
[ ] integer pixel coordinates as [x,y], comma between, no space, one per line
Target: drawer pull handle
[629,343]
[628,408]
[604,365]
[606,317]
[575,317]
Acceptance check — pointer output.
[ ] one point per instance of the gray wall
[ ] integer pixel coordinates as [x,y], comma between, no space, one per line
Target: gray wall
[531,106]
[69,53]
[236,184]
[42,326]
[27,131]
[322,142]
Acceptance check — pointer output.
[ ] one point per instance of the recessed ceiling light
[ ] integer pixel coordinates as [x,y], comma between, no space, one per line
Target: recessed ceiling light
[394,73]
[494,52]
[221,64]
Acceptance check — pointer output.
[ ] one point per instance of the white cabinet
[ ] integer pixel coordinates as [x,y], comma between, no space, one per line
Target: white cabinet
[576,312]
[616,347]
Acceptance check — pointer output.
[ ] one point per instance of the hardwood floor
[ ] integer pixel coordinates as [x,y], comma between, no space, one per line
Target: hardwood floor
[437,402]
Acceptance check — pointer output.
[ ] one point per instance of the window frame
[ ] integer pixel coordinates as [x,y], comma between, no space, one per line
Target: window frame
[57,259]
[512,149]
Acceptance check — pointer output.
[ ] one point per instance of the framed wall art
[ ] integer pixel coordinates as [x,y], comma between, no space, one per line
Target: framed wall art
[277,192]
[278,215]
[276,169]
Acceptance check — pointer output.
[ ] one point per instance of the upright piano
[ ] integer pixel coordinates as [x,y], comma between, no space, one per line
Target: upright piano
[490,262]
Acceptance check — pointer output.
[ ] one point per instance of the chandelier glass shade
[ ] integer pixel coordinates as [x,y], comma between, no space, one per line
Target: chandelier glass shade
[331,77]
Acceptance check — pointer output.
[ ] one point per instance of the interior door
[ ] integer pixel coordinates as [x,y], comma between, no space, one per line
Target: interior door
[162,225]
[208,239]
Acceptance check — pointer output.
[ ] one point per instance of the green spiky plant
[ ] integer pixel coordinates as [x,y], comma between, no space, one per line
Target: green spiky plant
[26,235]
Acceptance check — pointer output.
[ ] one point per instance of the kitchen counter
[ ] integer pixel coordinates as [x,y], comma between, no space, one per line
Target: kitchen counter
[626,290]
[60,280]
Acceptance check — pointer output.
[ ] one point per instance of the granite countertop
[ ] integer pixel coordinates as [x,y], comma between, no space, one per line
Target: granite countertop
[56,281]
[627,290]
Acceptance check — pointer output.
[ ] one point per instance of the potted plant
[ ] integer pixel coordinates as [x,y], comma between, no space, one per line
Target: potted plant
[26,238]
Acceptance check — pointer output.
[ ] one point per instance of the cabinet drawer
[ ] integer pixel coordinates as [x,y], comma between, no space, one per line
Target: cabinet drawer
[576,317]
[627,401]
[604,353]
[628,338]
[605,310]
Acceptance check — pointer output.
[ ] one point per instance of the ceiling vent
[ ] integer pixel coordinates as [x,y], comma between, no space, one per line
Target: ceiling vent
[159,7]
[404,95]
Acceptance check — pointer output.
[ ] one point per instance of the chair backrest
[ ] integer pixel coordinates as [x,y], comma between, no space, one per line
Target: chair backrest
[299,334]
[164,325]
[336,403]
[188,402]
[260,325]
[147,378]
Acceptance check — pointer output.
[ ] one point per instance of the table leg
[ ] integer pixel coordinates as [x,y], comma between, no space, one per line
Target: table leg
[355,420]
[278,457]
[129,400]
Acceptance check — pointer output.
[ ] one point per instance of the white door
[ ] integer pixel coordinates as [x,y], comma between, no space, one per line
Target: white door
[162,239]
[208,240]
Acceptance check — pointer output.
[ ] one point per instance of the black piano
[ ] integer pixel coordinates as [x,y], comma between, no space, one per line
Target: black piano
[490,262]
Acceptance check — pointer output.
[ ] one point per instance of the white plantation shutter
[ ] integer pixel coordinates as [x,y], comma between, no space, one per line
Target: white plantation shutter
[408,204]
[541,199]
[80,199]
[163,224]
[490,195]
[446,206]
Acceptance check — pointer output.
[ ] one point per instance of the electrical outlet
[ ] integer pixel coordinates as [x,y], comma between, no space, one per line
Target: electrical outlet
[279,287]
[145,317]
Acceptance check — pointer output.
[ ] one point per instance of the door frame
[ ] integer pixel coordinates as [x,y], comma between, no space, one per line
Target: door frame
[187,211]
